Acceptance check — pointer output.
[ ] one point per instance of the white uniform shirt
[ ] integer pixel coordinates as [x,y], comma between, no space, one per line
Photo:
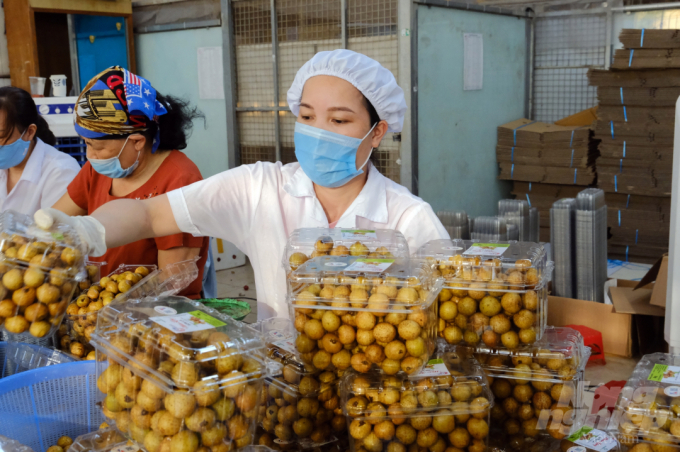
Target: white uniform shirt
[256,207]
[46,175]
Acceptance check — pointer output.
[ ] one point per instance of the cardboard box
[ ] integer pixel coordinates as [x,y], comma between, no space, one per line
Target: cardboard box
[657,115]
[581,119]
[642,80]
[629,326]
[659,275]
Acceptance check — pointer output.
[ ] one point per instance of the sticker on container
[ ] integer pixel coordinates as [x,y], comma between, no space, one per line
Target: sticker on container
[188,322]
[592,439]
[335,264]
[452,248]
[577,449]
[434,368]
[370,265]
[125,448]
[665,374]
[672,391]
[165,310]
[486,249]
[356,234]
[286,345]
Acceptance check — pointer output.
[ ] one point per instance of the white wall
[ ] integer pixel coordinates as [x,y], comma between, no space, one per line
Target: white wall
[169,61]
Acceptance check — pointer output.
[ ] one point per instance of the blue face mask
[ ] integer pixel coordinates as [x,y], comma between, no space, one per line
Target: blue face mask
[327,158]
[111,167]
[14,153]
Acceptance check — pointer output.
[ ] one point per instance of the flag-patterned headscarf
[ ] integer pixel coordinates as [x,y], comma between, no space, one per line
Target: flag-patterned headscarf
[117,102]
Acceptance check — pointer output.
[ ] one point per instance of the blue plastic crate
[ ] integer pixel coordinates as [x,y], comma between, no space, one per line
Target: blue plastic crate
[73,146]
[39,406]
[3,349]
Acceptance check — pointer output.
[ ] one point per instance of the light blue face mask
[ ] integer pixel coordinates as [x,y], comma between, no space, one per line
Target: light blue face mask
[327,158]
[14,153]
[111,167]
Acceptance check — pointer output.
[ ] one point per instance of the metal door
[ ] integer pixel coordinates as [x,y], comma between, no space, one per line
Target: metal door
[101,43]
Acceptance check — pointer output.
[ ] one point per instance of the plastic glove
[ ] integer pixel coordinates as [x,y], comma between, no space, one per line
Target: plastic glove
[91,232]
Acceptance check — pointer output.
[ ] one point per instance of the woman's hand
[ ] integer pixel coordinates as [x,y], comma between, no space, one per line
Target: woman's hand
[91,232]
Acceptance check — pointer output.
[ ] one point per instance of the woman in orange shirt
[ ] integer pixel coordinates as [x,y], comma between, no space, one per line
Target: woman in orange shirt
[133,137]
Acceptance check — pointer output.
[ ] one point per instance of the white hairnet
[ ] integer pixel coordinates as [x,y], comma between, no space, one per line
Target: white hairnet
[367,75]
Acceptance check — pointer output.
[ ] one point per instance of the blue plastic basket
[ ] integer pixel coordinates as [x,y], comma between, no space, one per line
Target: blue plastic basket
[3,348]
[39,406]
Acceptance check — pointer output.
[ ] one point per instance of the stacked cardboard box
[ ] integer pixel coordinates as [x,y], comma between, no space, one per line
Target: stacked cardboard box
[533,151]
[636,119]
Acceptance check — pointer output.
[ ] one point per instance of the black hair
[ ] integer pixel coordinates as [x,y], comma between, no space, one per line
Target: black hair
[373,115]
[21,112]
[175,126]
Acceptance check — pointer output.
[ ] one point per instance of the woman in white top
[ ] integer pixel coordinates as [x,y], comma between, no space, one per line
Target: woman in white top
[348,104]
[33,174]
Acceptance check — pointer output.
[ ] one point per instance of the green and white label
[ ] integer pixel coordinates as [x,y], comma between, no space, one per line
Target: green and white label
[357,234]
[370,265]
[434,368]
[665,374]
[593,439]
[188,322]
[486,249]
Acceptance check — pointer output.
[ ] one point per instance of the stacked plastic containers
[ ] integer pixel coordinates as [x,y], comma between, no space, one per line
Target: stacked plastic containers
[456,223]
[537,389]
[172,370]
[535,222]
[40,271]
[102,440]
[446,407]
[648,409]
[494,294]
[491,229]
[591,245]
[302,405]
[563,242]
[516,212]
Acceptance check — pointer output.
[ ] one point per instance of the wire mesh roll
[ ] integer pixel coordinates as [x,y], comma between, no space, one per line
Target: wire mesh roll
[535,224]
[562,242]
[516,211]
[456,223]
[591,245]
[489,229]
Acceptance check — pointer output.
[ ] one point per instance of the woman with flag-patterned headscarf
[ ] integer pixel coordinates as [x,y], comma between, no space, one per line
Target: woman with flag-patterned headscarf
[133,136]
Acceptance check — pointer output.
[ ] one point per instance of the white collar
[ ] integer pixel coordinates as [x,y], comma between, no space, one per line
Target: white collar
[370,204]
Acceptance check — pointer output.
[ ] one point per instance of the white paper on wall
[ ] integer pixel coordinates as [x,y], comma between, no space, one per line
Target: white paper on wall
[473,61]
[210,73]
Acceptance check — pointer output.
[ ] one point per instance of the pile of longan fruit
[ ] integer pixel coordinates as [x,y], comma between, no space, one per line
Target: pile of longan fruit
[438,414]
[37,284]
[194,414]
[655,417]
[343,338]
[326,247]
[62,445]
[532,399]
[476,306]
[81,315]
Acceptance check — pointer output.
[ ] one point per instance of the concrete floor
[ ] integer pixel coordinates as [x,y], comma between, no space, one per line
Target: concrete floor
[232,283]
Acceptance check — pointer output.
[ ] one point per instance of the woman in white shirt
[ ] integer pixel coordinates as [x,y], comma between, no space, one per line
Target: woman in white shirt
[348,104]
[33,174]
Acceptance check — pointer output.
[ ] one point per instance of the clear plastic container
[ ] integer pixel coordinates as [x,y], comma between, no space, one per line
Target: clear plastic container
[10,445]
[165,282]
[364,313]
[537,389]
[40,271]
[81,315]
[648,407]
[495,294]
[625,445]
[20,357]
[446,406]
[90,276]
[102,440]
[179,369]
[308,243]
[305,415]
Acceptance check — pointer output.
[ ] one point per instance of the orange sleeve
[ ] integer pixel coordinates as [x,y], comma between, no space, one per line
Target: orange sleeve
[79,188]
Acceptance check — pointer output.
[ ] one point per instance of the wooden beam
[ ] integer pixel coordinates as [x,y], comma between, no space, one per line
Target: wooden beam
[22,45]
[99,7]
[130,36]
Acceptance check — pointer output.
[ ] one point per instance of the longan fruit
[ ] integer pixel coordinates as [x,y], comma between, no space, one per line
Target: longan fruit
[524,319]
[459,438]
[375,354]
[490,306]
[390,366]
[453,334]
[360,363]
[330,321]
[384,332]
[411,365]
[331,343]
[384,430]
[510,340]
[511,406]
[470,337]
[448,310]
[395,350]
[64,442]
[359,429]
[478,322]
[406,434]
[443,422]
[395,318]
[365,320]
[511,303]
[303,344]
[530,299]
[341,360]
[346,334]
[314,329]
[365,337]
[180,404]
[478,428]
[467,306]
[490,338]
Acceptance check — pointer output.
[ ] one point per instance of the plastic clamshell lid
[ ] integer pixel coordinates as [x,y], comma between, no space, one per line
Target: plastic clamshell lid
[164,282]
[293,389]
[176,326]
[21,357]
[418,394]
[502,266]
[651,400]
[279,335]
[418,284]
[307,243]
[560,354]
[22,242]
[101,440]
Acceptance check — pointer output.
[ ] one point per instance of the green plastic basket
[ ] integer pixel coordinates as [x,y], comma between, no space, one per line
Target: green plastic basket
[236,309]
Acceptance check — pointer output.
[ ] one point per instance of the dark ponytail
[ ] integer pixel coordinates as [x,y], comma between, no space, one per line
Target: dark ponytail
[21,112]
[176,124]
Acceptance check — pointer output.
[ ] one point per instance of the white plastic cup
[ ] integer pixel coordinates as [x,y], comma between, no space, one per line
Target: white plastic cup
[58,85]
[37,86]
